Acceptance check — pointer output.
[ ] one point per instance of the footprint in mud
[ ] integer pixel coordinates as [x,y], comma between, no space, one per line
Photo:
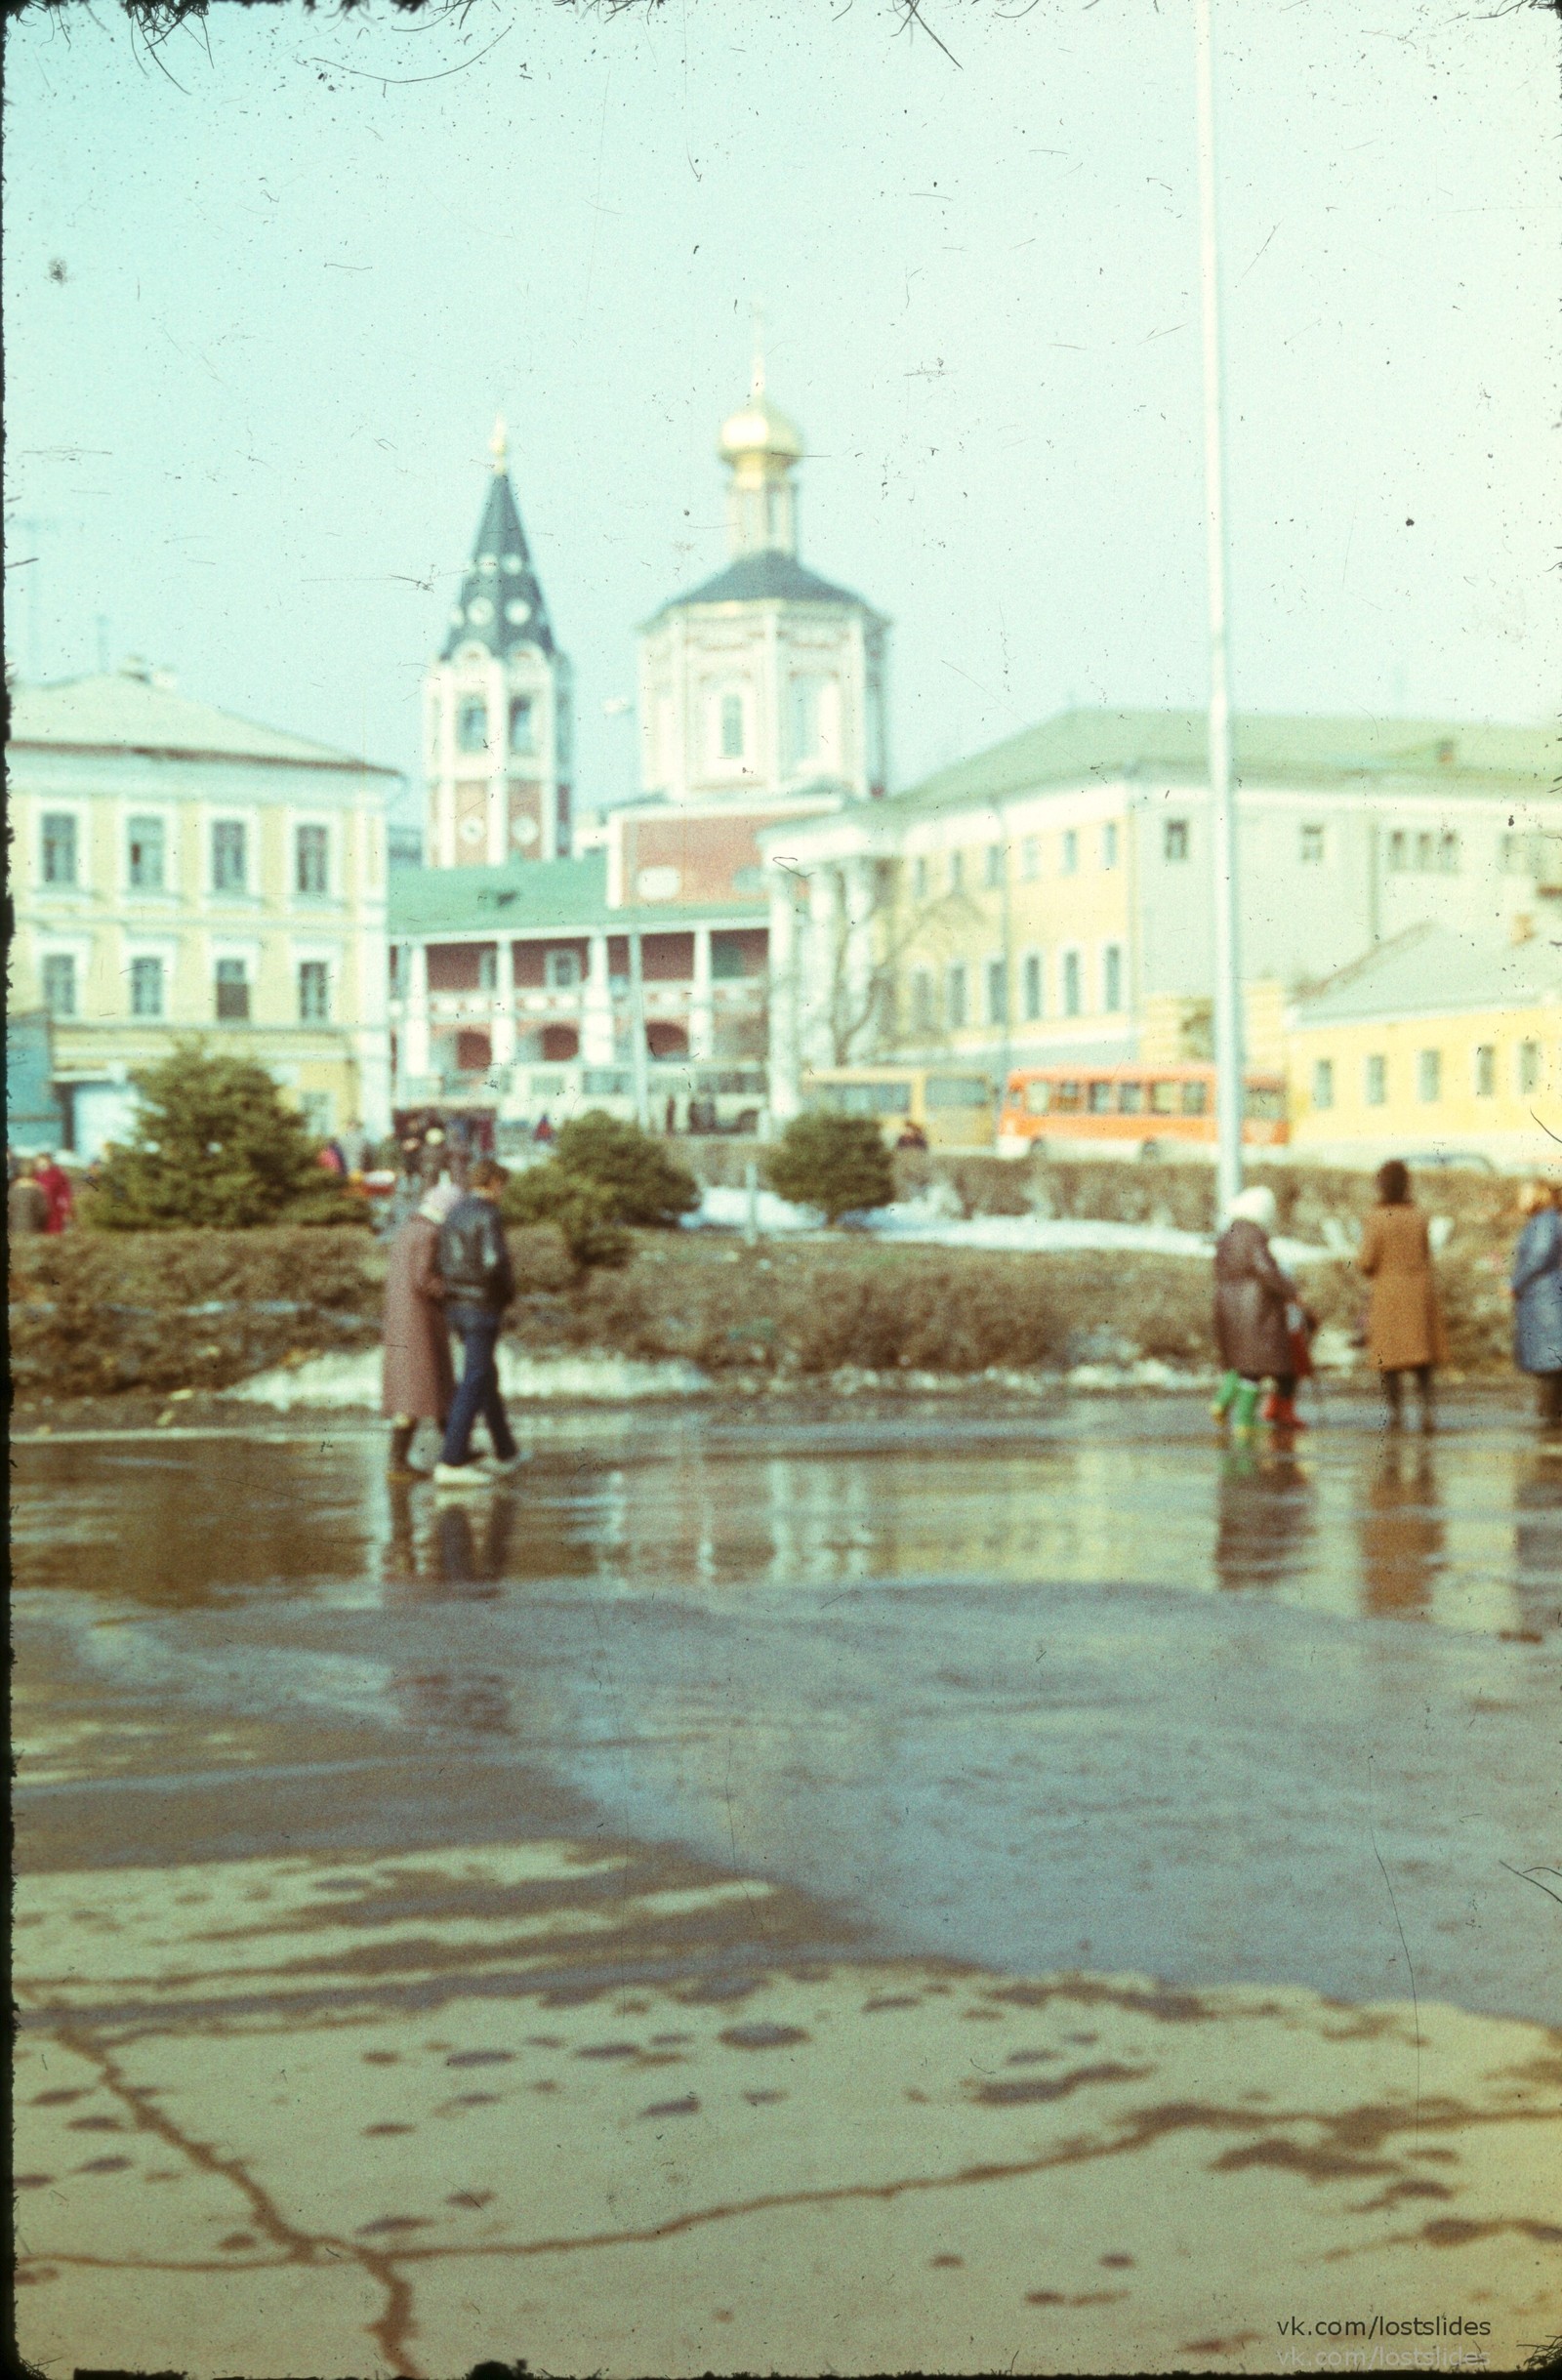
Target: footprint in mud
[609,2049]
[673,2106]
[763,2036]
[481,2057]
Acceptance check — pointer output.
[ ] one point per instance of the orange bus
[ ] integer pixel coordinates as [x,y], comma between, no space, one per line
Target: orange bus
[1131,1110]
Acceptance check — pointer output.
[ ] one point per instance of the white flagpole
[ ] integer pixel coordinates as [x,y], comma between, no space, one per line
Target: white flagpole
[1228,1058]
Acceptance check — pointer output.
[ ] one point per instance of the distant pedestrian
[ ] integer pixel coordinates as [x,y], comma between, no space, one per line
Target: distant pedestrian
[353,1145]
[1253,1300]
[26,1203]
[543,1136]
[416,1382]
[911,1137]
[54,1183]
[1536,1285]
[1405,1327]
[475,1266]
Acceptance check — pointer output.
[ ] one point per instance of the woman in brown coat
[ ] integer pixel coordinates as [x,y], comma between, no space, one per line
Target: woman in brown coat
[418,1383]
[1405,1329]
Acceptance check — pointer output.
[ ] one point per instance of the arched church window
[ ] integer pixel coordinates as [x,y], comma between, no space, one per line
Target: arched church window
[732,727]
[522,723]
[471,727]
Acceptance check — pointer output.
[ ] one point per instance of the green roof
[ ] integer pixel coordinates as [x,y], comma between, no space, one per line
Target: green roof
[128,710]
[767,577]
[1078,745]
[559,896]
[1429,970]
[528,892]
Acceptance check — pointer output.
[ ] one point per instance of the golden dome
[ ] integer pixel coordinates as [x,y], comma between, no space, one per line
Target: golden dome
[759,429]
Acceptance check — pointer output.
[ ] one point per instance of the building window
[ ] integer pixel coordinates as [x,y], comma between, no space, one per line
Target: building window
[229,860]
[1375,1084]
[1030,858]
[562,969]
[59,847]
[1175,839]
[995,864]
[732,727]
[957,996]
[522,723]
[1030,986]
[487,967]
[1529,1065]
[314,992]
[1323,1083]
[923,1007]
[1429,1075]
[1071,983]
[997,992]
[60,983]
[312,860]
[318,1110]
[918,880]
[1520,852]
[146,853]
[1112,977]
[147,987]
[471,727]
[1448,854]
[1109,843]
[1485,1071]
[957,871]
[232,992]
[1312,847]
[1425,845]
[1071,850]
[1398,850]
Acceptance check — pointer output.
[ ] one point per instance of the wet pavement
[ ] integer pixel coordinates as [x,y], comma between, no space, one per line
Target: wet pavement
[775,1720]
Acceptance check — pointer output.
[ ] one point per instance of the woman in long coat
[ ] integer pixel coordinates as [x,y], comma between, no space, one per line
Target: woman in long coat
[1537,1287]
[1252,1299]
[1405,1327]
[418,1383]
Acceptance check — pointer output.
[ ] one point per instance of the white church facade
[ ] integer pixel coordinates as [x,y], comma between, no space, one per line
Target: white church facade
[524,977]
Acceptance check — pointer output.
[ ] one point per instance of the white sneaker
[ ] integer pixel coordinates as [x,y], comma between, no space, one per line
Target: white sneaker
[463,1475]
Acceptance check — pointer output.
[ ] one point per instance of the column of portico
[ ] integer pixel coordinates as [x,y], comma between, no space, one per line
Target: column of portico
[702,1021]
[820,992]
[785,1098]
[503,1026]
[857,886]
[597,1008]
[414,1010]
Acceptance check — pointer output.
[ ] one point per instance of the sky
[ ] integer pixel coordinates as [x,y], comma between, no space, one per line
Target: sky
[266,285]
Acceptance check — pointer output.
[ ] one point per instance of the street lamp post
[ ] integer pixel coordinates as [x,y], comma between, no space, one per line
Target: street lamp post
[1228,1059]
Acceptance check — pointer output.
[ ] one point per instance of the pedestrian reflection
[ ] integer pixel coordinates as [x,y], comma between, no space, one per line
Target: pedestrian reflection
[1264,1516]
[1401,1529]
[1538,1543]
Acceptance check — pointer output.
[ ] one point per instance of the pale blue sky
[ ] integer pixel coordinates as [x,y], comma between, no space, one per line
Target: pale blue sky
[298,283]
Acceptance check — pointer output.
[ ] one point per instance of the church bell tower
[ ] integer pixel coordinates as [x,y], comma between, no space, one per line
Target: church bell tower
[498,705]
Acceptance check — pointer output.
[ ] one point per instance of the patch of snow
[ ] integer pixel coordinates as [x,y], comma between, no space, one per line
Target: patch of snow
[354,1380]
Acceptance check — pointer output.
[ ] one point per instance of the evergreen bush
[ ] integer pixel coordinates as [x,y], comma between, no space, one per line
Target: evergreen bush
[216,1147]
[580,1210]
[838,1163]
[644,1185]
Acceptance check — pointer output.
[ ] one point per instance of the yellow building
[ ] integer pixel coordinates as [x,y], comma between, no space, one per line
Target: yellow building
[179,871]
[1050,901]
[1435,1044]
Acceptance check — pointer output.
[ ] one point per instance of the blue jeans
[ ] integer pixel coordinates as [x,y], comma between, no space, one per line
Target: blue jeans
[477,1389]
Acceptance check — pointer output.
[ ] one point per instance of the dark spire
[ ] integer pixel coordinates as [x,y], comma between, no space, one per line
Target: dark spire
[501,603]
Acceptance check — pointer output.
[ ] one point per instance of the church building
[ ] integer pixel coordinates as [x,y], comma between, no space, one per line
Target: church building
[523,977]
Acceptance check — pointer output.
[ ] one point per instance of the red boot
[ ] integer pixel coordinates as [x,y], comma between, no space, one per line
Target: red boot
[1282,1411]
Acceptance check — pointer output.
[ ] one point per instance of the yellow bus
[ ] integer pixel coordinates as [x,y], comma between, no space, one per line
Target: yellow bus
[950,1107]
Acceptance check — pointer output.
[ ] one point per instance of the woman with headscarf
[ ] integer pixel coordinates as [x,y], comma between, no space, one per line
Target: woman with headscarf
[418,1382]
[1404,1329]
[1536,1287]
[1252,1299]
